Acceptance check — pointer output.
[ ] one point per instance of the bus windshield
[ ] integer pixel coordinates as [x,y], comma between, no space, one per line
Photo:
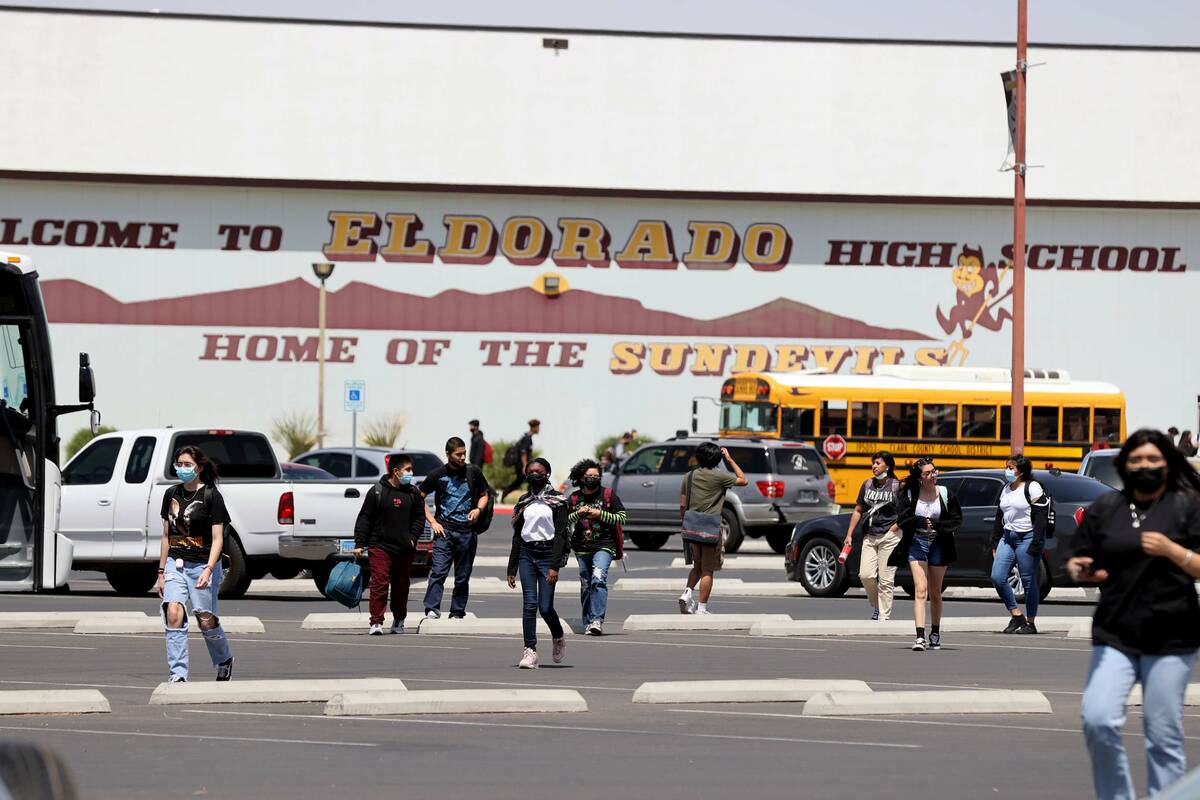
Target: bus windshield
[750,417]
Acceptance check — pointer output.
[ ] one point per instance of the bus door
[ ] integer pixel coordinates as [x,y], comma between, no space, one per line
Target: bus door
[20,458]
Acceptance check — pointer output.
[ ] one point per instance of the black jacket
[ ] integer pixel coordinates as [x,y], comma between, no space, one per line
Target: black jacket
[390,518]
[947,526]
[475,453]
[562,537]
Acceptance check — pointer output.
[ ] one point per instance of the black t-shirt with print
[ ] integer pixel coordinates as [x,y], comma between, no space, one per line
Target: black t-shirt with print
[880,504]
[190,517]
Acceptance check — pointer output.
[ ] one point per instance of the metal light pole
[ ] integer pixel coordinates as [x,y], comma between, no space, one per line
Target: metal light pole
[322,270]
[1018,331]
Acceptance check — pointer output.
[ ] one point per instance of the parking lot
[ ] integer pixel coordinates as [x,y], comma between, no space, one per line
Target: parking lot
[616,748]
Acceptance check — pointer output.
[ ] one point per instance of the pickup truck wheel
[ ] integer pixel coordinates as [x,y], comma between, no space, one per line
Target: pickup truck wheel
[237,575]
[649,541]
[320,573]
[133,580]
[779,538]
[820,573]
[731,531]
[286,569]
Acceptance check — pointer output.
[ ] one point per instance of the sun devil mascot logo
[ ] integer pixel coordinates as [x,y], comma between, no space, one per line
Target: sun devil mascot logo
[978,294]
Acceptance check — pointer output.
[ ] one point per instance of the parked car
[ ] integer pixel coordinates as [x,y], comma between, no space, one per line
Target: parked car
[303,472]
[812,554]
[371,462]
[787,483]
[1099,464]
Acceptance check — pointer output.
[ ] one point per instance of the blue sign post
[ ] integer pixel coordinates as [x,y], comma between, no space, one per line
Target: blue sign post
[355,401]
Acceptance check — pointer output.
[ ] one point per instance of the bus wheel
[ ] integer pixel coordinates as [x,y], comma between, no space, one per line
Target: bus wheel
[731,531]
[133,580]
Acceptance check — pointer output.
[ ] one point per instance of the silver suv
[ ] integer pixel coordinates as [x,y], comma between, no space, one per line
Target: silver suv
[787,483]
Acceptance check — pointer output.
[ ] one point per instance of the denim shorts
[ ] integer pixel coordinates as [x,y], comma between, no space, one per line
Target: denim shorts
[925,549]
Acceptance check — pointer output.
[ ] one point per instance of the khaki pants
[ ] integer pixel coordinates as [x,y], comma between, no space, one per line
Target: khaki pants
[877,577]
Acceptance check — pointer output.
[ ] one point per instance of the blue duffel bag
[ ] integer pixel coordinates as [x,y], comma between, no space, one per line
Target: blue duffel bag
[345,584]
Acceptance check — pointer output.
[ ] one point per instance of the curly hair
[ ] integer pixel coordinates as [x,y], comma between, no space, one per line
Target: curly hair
[581,467]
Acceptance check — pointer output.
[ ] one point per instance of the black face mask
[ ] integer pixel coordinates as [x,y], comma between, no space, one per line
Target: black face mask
[589,482]
[537,482]
[1146,479]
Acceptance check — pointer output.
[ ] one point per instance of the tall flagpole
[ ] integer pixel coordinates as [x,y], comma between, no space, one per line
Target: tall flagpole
[1018,313]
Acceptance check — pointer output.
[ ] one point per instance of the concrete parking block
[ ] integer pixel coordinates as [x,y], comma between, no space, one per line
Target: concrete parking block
[354,620]
[290,586]
[784,690]
[755,563]
[150,624]
[764,589]
[54,701]
[1190,698]
[949,701]
[18,620]
[757,546]
[699,622]
[456,701]
[491,561]
[668,584]
[1080,630]
[301,690]
[896,627]
[484,586]
[499,626]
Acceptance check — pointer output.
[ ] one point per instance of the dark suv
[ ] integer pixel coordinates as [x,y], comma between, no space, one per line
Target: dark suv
[811,556]
[788,483]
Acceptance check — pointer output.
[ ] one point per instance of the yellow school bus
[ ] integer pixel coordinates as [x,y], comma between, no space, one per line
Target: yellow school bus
[960,416]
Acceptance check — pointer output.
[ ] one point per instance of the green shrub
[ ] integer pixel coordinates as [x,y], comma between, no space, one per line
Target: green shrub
[82,437]
[383,431]
[296,433]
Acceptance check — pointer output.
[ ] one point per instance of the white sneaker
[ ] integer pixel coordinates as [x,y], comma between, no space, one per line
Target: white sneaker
[919,645]
[432,614]
[704,611]
[398,626]
[376,630]
[594,628]
[529,659]
[560,650]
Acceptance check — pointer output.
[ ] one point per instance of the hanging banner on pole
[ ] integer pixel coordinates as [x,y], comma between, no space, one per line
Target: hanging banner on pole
[1010,100]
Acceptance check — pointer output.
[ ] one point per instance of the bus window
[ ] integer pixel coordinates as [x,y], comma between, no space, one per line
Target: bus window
[1107,426]
[833,417]
[798,423]
[939,421]
[1006,423]
[979,422]
[900,419]
[1043,424]
[864,419]
[749,417]
[1075,425]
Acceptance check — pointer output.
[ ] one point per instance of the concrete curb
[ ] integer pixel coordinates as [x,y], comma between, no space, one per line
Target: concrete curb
[284,691]
[897,627]
[491,561]
[763,589]
[19,620]
[783,690]
[353,621]
[668,584]
[1080,630]
[491,586]
[957,701]
[499,626]
[1190,698]
[753,563]
[699,622]
[150,624]
[457,701]
[54,701]
[290,586]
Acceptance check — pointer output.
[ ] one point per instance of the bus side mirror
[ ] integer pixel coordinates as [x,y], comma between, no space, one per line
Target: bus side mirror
[95,423]
[87,380]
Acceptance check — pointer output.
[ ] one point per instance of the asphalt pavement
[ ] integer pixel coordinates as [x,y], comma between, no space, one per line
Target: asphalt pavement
[615,749]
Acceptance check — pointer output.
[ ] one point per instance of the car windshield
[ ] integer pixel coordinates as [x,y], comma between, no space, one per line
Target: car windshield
[750,417]
[1104,469]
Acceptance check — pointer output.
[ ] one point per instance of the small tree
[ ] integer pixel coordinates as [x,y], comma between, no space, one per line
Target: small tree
[82,437]
[383,431]
[609,441]
[295,433]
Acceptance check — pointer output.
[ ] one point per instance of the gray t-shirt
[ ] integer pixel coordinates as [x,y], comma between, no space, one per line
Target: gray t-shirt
[708,489]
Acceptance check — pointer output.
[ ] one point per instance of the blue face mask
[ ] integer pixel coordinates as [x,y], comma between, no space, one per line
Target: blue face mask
[186,474]
[406,479]
[1010,475]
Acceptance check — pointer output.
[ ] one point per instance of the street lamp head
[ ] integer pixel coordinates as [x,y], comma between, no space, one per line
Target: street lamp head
[322,270]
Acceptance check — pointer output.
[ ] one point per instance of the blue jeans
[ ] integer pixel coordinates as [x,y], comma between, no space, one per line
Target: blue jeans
[1110,679]
[593,584]
[927,549]
[179,586]
[457,546]
[538,594]
[1012,548]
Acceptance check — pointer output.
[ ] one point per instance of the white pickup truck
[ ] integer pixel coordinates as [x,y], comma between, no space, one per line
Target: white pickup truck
[112,498]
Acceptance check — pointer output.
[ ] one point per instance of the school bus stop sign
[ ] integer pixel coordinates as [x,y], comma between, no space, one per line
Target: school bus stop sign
[834,447]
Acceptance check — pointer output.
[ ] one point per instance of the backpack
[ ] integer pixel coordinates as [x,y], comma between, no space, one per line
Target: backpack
[606,505]
[1048,502]
[488,454]
[512,456]
[345,584]
[484,520]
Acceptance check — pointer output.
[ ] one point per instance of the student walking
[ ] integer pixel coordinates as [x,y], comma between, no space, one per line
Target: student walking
[1019,536]
[478,444]
[929,517]
[595,523]
[1139,544]
[1186,445]
[189,563]
[389,524]
[539,551]
[519,454]
[701,498]
[878,507]
[461,494]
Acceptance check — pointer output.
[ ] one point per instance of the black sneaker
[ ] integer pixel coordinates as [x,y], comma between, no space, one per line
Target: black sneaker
[935,641]
[1015,624]
[225,670]
[1028,627]
[176,679]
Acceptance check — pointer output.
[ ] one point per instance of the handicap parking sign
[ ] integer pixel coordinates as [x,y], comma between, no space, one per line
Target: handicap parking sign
[356,396]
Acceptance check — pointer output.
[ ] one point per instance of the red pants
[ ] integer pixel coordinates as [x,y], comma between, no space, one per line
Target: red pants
[388,569]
